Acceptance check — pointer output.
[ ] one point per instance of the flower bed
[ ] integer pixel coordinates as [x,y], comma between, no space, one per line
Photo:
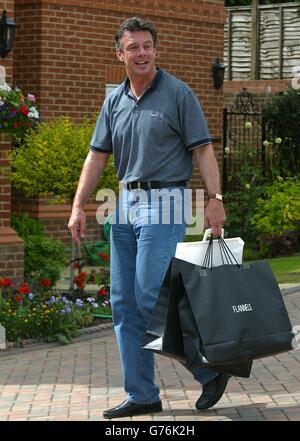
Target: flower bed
[43,314]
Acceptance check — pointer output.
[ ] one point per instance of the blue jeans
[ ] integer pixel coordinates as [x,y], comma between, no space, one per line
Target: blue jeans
[143,241]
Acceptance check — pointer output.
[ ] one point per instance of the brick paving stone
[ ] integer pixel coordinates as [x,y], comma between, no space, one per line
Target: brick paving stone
[49,382]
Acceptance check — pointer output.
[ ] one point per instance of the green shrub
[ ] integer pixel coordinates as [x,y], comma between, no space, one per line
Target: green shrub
[282,115]
[277,217]
[27,226]
[44,258]
[240,203]
[51,159]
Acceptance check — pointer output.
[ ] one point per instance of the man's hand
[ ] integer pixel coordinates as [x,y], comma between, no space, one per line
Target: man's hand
[77,224]
[90,175]
[215,216]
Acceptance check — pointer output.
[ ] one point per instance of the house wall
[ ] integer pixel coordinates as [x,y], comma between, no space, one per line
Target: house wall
[64,54]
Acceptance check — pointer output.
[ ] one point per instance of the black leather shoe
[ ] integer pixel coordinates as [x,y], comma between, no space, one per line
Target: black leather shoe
[212,392]
[128,408]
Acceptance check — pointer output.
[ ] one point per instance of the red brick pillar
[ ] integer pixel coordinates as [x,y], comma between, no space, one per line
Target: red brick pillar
[11,245]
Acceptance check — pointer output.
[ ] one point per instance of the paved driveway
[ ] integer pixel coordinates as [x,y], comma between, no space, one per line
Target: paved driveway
[49,382]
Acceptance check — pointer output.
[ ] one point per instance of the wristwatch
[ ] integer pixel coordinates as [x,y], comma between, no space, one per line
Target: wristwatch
[216,196]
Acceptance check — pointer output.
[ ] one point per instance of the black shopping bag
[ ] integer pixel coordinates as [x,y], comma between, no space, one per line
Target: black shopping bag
[173,332]
[239,311]
[222,317]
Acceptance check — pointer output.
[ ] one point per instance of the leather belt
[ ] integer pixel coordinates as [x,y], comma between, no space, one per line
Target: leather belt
[153,185]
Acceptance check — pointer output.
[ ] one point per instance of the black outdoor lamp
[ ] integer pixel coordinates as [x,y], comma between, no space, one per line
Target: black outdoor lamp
[218,73]
[7,32]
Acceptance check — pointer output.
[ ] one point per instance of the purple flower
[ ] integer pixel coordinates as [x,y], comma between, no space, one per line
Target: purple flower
[63,311]
[79,303]
[68,310]
[52,299]
[30,296]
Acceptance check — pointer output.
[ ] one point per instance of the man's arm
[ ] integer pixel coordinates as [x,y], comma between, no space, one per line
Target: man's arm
[91,172]
[215,215]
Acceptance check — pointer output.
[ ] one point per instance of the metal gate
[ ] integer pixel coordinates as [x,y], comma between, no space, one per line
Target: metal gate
[242,139]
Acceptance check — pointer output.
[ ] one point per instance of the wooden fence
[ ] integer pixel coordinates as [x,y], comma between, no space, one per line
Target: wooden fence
[262,43]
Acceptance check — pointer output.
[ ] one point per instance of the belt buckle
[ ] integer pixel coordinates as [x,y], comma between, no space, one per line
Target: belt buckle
[134,186]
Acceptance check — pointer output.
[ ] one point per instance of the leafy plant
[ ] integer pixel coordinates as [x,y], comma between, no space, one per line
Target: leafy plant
[281,115]
[27,226]
[240,204]
[277,217]
[44,258]
[51,159]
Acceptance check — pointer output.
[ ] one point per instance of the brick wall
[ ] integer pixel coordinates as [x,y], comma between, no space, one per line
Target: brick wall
[55,217]
[64,52]
[11,246]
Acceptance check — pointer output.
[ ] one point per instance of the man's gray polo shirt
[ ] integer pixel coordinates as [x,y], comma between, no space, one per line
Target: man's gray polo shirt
[152,138]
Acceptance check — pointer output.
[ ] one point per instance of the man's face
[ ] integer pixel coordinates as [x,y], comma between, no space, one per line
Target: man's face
[137,53]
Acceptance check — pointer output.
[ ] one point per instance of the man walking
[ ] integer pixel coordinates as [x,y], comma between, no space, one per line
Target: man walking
[154,126]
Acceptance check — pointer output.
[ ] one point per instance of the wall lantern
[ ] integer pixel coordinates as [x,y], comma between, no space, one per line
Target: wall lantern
[7,31]
[218,70]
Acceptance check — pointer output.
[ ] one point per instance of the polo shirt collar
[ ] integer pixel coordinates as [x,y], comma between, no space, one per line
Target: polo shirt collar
[153,85]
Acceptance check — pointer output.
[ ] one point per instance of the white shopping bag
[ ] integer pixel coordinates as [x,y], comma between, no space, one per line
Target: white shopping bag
[194,252]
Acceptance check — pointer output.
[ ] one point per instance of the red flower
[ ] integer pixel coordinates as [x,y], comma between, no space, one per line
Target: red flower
[15,125]
[45,282]
[24,110]
[102,292]
[24,289]
[103,256]
[76,265]
[19,299]
[5,282]
[80,280]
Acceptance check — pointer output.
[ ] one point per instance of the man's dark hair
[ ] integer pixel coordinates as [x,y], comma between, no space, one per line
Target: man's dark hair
[135,24]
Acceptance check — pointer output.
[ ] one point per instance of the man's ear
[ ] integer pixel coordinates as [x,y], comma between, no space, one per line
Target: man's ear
[120,55]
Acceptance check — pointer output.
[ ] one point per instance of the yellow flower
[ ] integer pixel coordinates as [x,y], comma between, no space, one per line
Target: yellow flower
[248,125]
[278,140]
